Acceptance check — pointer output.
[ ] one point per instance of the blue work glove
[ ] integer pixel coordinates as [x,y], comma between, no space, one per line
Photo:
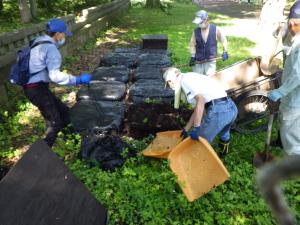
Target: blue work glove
[184,134]
[195,133]
[192,61]
[274,95]
[83,79]
[225,56]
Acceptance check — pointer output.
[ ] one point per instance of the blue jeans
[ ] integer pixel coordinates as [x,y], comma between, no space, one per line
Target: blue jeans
[218,119]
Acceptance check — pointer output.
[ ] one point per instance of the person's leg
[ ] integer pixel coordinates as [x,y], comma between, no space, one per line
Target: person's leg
[217,117]
[199,68]
[210,68]
[231,115]
[45,100]
[64,111]
[289,132]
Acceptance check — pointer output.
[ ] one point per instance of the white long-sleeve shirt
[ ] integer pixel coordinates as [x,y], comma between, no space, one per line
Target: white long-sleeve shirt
[290,87]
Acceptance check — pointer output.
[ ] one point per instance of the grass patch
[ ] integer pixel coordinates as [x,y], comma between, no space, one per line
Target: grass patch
[144,190]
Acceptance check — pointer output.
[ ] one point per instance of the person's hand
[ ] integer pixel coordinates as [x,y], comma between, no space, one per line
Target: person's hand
[184,134]
[83,79]
[274,95]
[192,61]
[225,56]
[195,133]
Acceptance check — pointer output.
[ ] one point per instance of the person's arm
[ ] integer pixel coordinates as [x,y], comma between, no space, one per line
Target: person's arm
[53,62]
[196,117]
[198,111]
[190,122]
[293,78]
[222,38]
[193,45]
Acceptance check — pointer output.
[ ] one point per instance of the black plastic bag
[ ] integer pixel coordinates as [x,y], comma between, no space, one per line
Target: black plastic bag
[107,151]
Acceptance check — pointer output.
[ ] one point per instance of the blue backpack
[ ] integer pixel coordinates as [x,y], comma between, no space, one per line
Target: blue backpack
[19,72]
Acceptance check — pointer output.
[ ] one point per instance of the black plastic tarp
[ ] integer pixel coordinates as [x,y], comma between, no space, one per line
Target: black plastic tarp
[103,115]
[107,151]
[147,72]
[115,73]
[118,59]
[102,91]
[148,90]
[152,59]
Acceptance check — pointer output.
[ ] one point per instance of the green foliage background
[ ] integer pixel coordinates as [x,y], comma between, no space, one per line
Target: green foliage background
[10,15]
[144,190]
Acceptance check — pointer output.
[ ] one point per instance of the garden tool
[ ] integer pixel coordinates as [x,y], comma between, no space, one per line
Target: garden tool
[260,158]
[197,167]
[163,144]
[198,62]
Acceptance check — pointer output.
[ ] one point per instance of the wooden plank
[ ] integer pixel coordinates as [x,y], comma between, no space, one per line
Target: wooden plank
[41,190]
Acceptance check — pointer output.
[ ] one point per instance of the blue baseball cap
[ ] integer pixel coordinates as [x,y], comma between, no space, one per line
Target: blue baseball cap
[295,10]
[58,25]
[200,17]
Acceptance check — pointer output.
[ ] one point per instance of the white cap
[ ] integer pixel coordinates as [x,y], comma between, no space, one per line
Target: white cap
[170,74]
[200,17]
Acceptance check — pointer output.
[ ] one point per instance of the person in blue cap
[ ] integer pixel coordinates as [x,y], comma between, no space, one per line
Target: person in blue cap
[203,45]
[44,64]
[289,91]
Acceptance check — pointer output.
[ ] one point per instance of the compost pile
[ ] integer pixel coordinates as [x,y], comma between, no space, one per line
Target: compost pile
[126,97]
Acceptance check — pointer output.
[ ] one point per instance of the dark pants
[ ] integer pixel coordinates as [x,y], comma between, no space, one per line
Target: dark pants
[52,109]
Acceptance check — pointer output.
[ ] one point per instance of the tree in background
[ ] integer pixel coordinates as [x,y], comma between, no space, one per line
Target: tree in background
[24,11]
[1,5]
[153,3]
[33,9]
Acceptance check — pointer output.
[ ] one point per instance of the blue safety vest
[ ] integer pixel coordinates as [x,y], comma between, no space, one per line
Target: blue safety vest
[208,50]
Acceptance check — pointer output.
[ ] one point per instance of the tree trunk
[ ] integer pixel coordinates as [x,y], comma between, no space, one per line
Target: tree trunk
[24,11]
[33,8]
[1,5]
[153,3]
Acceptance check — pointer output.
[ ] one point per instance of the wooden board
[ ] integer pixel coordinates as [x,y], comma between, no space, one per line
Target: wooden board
[40,190]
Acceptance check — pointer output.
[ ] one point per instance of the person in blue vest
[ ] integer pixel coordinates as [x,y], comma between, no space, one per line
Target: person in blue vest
[203,45]
[45,62]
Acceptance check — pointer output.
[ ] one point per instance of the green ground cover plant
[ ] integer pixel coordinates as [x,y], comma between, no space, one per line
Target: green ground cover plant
[144,190]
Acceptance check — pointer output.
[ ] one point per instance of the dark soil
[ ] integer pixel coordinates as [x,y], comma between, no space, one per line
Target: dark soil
[145,118]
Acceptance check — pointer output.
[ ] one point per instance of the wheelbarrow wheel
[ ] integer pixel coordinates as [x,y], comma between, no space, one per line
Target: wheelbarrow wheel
[253,112]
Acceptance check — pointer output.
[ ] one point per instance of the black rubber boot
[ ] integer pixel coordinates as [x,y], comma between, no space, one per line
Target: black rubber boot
[277,142]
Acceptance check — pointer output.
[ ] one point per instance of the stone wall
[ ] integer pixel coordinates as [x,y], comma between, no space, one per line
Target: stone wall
[91,21]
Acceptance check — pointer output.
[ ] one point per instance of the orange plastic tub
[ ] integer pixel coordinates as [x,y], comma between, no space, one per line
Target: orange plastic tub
[197,167]
[163,144]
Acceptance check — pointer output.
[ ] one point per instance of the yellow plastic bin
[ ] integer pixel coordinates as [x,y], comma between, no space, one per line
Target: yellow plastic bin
[197,167]
[163,143]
